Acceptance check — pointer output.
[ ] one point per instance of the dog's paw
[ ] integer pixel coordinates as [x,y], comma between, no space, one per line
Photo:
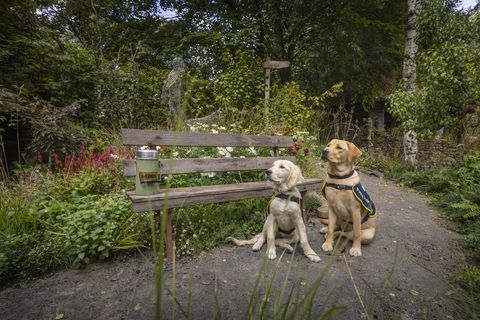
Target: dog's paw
[271,254]
[257,246]
[327,246]
[324,230]
[313,257]
[355,252]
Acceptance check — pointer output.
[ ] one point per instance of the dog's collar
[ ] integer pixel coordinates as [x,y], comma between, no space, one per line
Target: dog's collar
[348,175]
[288,197]
[338,186]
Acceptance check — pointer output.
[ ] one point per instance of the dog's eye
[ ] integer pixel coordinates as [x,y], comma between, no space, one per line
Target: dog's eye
[339,148]
[282,167]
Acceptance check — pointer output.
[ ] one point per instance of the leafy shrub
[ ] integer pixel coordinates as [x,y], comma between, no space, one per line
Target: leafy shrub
[30,254]
[456,191]
[129,96]
[203,227]
[240,88]
[90,225]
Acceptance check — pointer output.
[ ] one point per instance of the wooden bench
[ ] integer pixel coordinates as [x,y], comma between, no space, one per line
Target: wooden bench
[182,197]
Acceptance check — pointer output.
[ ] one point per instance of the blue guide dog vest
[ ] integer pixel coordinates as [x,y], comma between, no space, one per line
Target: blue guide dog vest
[360,194]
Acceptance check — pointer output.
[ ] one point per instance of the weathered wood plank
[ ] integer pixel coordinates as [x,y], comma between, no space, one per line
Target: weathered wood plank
[137,137]
[183,197]
[197,165]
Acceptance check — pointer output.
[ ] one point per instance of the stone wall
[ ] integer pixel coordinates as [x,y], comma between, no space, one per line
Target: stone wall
[432,152]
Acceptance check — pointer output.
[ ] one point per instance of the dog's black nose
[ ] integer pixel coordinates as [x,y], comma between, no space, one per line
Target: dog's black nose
[325,154]
[269,172]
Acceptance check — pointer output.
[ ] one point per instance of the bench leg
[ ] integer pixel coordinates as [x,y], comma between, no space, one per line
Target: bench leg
[302,206]
[169,243]
[169,237]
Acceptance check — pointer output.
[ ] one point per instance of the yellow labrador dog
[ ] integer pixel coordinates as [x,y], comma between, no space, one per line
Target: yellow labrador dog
[284,225]
[351,212]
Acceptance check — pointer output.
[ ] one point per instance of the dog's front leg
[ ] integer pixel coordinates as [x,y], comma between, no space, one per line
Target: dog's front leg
[270,232]
[332,222]
[261,239]
[356,249]
[302,232]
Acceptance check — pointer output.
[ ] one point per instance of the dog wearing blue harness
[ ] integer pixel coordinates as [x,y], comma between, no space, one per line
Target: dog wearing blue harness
[351,212]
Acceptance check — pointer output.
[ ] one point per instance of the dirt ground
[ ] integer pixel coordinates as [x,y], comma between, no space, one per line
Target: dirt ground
[401,275]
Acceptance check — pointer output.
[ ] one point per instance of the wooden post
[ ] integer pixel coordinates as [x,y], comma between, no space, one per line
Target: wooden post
[276,151]
[267,89]
[169,237]
[169,243]
[268,65]
[302,206]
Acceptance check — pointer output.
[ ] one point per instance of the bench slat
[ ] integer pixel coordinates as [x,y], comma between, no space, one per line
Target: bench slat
[137,137]
[183,197]
[197,165]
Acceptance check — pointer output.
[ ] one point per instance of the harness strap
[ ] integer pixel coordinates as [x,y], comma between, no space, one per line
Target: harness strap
[287,197]
[338,186]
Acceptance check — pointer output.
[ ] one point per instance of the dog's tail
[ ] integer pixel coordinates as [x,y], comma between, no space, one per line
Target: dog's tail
[244,242]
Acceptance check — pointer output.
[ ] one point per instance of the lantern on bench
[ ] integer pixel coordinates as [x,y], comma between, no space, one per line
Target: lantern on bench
[147,178]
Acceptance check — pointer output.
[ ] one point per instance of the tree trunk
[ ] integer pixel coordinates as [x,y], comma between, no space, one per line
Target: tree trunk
[410,143]
[409,66]
[281,49]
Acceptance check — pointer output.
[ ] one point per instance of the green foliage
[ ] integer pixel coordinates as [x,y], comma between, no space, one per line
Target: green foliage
[26,255]
[129,96]
[199,97]
[456,190]
[467,296]
[204,227]
[288,108]
[58,221]
[448,72]
[312,202]
[89,226]
[239,88]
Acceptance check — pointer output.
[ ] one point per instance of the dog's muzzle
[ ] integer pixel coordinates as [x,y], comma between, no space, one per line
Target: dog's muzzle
[269,175]
[325,153]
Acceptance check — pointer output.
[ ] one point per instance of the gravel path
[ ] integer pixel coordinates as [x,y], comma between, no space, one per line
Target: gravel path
[401,275]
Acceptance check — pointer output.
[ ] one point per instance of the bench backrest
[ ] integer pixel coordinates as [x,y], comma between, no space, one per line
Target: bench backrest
[152,138]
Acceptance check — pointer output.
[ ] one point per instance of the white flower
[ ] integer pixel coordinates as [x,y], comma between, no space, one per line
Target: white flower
[157,147]
[214,125]
[114,156]
[222,128]
[241,157]
[224,152]
[252,150]
[175,153]
[144,148]
[271,153]
[208,174]
[214,131]
[229,149]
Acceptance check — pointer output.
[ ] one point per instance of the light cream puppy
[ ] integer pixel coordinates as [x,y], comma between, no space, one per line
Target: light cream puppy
[284,225]
[346,215]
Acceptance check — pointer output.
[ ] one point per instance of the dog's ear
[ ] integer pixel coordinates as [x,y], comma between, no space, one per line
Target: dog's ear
[353,152]
[294,177]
